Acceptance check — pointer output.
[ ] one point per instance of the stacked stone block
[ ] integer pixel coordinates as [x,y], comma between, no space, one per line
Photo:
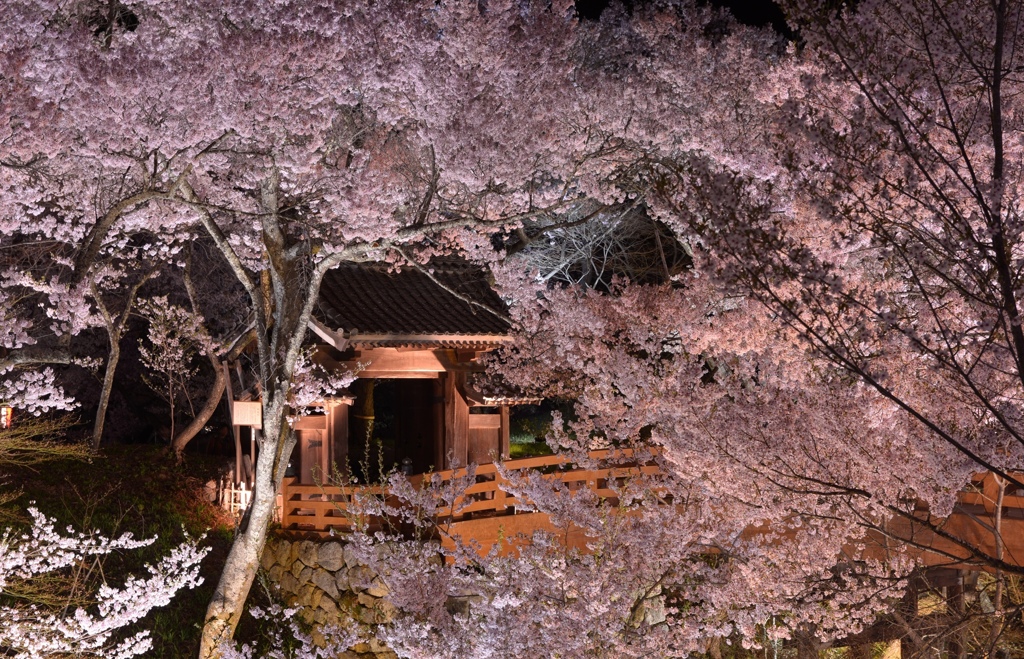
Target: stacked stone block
[330,585]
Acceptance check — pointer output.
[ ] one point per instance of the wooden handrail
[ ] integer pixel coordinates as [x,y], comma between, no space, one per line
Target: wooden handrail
[322,509]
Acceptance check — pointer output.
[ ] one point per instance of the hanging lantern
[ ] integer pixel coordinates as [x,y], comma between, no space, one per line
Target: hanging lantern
[6,415]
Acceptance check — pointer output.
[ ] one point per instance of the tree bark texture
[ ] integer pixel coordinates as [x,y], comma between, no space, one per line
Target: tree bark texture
[108,386]
[227,603]
[281,324]
[179,442]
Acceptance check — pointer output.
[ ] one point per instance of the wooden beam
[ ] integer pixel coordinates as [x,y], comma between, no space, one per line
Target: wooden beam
[456,421]
[311,422]
[505,449]
[399,375]
[327,334]
[390,362]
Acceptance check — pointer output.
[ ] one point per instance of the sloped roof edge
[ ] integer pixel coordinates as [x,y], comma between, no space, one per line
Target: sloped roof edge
[448,302]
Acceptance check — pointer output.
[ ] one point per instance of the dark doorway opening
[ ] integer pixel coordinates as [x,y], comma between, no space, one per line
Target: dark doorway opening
[393,425]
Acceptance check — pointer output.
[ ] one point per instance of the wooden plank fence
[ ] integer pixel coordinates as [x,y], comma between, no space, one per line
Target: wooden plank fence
[488,503]
[321,509]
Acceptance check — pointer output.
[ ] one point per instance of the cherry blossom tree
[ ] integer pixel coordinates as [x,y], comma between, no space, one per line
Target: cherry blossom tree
[174,341]
[886,241]
[774,376]
[32,342]
[35,549]
[297,137]
[843,350]
[862,286]
[284,638]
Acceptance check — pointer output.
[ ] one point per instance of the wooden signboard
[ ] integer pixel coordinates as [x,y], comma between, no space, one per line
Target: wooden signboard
[247,413]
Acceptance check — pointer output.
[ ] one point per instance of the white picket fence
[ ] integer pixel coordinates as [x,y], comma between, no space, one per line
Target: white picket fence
[234,497]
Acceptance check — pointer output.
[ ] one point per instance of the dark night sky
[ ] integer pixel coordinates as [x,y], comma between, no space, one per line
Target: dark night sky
[749,12]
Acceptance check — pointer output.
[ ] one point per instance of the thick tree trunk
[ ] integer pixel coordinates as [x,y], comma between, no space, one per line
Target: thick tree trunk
[108,386]
[179,443]
[225,608]
[282,319]
[998,615]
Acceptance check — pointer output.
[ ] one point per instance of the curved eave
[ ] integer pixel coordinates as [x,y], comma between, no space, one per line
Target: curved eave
[343,340]
[483,341]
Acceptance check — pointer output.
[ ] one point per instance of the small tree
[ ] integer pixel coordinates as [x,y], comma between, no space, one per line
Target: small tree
[31,632]
[174,341]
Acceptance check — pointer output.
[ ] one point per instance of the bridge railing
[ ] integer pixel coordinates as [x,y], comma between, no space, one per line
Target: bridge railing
[325,508]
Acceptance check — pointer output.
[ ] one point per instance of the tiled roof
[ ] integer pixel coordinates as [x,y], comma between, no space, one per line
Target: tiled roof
[368,299]
[492,390]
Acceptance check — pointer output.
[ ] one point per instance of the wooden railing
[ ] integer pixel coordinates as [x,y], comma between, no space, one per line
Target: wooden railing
[323,509]
[320,508]
[489,494]
[980,497]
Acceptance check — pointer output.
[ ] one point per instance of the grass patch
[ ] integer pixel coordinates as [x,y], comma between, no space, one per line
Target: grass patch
[529,450]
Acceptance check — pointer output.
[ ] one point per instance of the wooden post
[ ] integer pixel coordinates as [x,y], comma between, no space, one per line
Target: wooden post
[958,609]
[456,416]
[312,433]
[254,434]
[337,424]
[504,449]
[234,429]
[439,415]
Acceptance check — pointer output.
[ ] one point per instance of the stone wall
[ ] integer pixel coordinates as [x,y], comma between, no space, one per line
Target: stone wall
[330,585]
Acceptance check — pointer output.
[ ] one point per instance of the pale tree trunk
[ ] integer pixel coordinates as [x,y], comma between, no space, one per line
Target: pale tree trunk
[1002,255]
[282,296]
[225,608]
[115,329]
[108,386]
[281,325]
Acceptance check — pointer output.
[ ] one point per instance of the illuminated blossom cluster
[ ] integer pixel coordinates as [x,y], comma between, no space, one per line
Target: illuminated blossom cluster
[34,391]
[33,633]
[313,384]
[590,583]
